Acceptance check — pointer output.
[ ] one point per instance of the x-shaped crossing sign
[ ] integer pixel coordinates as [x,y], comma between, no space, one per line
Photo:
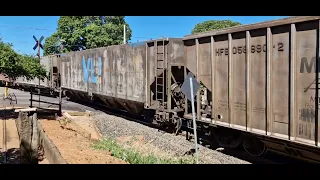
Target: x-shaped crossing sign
[38,43]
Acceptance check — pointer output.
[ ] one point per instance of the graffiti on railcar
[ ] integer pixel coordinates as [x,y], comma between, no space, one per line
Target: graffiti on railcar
[307,113]
[121,86]
[306,126]
[89,70]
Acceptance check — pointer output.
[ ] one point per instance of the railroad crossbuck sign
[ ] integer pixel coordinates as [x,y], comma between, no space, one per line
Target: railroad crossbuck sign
[38,43]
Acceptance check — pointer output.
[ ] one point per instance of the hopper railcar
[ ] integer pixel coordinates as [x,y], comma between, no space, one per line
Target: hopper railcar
[261,85]
[140,78]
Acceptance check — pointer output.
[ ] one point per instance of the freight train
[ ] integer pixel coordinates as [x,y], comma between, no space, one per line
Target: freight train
[258,83]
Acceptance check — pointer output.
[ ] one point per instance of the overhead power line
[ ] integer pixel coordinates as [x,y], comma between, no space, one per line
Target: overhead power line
[21,27]
[51,30]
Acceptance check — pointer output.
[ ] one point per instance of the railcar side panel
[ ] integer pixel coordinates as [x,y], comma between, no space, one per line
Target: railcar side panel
[176,52]
[239,78]
[115,75]
[204,67]
[280,80]
[258,82]
[150,73]
[307,49]
[221,82]
[190,56]
[264,76]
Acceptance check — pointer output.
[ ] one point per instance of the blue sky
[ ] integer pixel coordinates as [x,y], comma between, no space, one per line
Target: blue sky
[19,30]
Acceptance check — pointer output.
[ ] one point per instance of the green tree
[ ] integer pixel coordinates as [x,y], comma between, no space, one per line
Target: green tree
[51,45]
[213,25]
[14,65]
[86,32]
[32,68]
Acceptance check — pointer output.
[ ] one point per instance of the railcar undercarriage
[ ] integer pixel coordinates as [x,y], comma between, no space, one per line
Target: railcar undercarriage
[171,118]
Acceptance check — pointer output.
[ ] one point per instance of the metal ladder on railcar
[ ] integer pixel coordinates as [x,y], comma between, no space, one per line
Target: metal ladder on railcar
[160,80]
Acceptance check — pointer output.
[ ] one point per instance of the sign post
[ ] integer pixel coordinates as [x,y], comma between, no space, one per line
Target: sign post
[39,46]
[189,88]
[6,93]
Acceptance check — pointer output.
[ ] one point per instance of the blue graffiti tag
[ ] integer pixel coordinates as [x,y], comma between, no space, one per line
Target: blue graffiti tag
[99,66]
[94,79]
[85,69]
[89,68]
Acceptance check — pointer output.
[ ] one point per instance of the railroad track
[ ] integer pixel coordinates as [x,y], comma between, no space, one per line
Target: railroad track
[268,158]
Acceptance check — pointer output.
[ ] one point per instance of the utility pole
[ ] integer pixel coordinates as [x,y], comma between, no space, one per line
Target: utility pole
[124,34]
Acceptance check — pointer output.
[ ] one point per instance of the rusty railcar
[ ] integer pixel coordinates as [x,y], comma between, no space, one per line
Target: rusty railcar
[261,79]
[131,77]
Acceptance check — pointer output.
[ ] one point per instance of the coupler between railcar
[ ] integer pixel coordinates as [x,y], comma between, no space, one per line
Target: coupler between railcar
[168,119]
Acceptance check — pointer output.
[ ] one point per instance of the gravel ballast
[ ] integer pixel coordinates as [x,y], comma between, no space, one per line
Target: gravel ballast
[114,127]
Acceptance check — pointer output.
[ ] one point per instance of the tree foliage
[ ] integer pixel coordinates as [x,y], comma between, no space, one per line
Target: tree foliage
[14,65]
[51,45]
[85,32]
[32,68]
[213,25]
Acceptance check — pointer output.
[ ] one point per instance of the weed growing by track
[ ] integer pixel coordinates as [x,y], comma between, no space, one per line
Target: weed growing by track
[133,157]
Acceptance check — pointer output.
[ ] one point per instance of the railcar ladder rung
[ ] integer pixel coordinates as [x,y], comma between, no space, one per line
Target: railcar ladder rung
[161,58]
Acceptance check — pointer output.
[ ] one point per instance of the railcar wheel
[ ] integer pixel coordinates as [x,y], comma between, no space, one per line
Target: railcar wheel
[254,146]
[227,139]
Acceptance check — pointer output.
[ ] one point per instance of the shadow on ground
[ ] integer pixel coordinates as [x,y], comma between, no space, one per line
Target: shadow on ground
[11,156]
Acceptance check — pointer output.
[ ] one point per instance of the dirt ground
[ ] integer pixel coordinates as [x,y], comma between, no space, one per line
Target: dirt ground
[9,145]
[137,143]
[74,143]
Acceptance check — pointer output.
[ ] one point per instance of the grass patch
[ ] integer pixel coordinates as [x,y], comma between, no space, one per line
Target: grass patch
[133,157]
